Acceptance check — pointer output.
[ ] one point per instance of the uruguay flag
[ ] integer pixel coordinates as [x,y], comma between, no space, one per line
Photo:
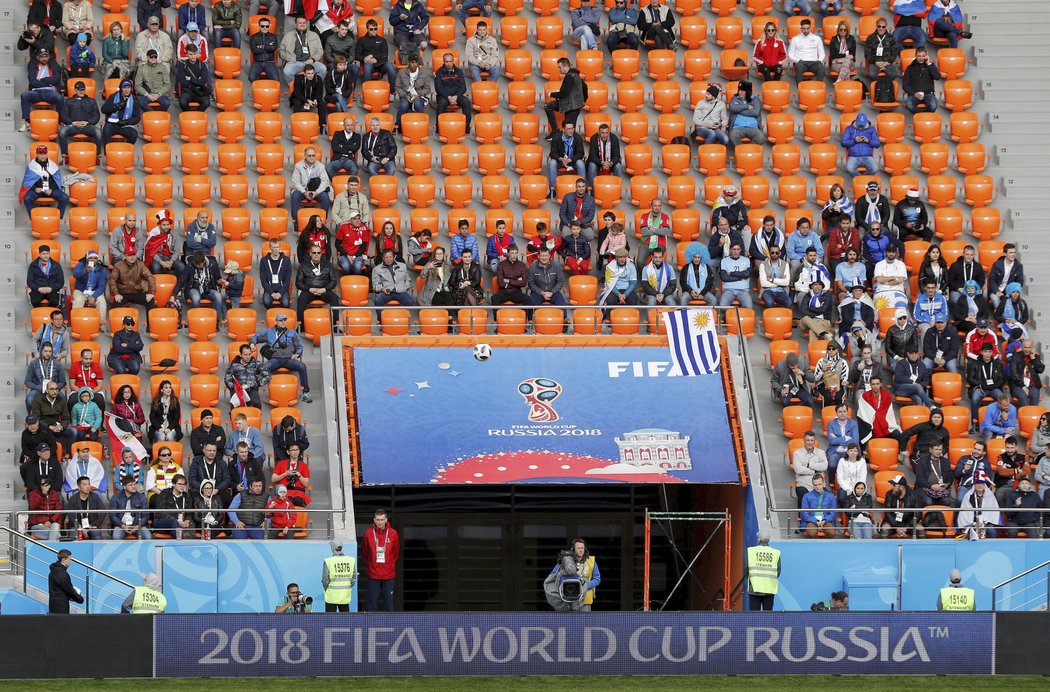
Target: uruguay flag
[694,345]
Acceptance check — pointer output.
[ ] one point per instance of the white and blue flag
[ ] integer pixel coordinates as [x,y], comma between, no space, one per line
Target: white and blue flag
[693,342]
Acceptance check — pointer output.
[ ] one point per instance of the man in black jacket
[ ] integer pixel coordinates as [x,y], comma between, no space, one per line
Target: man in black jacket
[940,347]
[934,477]
[60,589]
[307,91]
[567,152]
[656,23]
[36,36]
[46,84]
[43,464]
[373,54]
[450,84]
[986,378]
[123,112]
[79,116]
[207,433]
[568,99]
[603,155]
[965,268]
[316,279]
[285,433]
[345,145]
[378,149]
[263,45]
[275,276]
[918,83]
[32,435]
[193,80]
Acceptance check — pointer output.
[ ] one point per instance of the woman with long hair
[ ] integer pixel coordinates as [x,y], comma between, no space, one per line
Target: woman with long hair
[165,414]
[126,405]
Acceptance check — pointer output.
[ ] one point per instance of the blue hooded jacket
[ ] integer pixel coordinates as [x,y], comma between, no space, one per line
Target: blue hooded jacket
[861,127]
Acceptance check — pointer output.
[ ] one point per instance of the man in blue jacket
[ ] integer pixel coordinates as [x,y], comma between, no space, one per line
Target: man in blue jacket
[284,350]
[816,516]
[930,307]
[129,515]
[125,355]
[860,140]
[410,21]
[999,419]
[45,84]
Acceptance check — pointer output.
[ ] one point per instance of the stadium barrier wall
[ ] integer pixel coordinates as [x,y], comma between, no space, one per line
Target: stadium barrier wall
[198,576]
[269,645]
[868,571]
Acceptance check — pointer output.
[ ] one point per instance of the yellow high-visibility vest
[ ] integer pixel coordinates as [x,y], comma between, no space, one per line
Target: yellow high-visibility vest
[957,598]
[148,601]
[340,579]
[763,567]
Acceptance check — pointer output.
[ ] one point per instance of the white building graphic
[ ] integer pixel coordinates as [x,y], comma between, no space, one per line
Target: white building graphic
[665,449]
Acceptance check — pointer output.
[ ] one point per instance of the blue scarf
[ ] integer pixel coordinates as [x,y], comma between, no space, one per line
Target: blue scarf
[129,107]
[568,145]
[696,277]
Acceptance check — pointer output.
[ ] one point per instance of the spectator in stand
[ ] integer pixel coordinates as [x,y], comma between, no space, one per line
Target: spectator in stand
[1026,369]
[378,149]
[380,548]
[832,374]
[796,7]
[37,36]
[933,477]
[745,115]
[1006,270]
[43,462]
[911,378]
[45,280]
[191,12]
[567,154]
[53,412]
[86,373]
[978,513]
[801,240]
[263,47]
[899,524]
[43,179]
[165,414]
[809,271]
[871,208]
[659,283]
[842,52]
[82,511]
[122,113]
[242,467]
[585,24]
[929,308]
[125,354]
[160,254]
[227,19]
[293,472]
[986,379]
[85,464]
[1012,313]
[850,275]
[656,24]
[172,504]
[696,279]
[126,405]
[82,59]
[907,22]
[285,348]
[768,236]
[576,251]
[999,419]
[194,37]
[463,240]
[342,41]
[301,47]
[611,238]
[411,24]
[1021,498]
[131,282]
[497,246]
[817,311]
[128,515]
[603,156]
[927,434]
[510,278]
[815,517]
[345,145]
[279,511]
[207,466]
[339,87]
[974,465]
[127,239]
[40,371]
[940,347]
[85,416]
[774,277]
[945,20]
[881,52]
[79,117]
[482,53]
[875,415]
[275,275]
[247,370]
[890,279]
[286,432]
[414,89]
[207,432]
[153,83]
[728,205]
[567,100]
[193,81]
[352,243]
[918,83]
[211,502]
[450,84]
[1010,466]
[245,512]
[735,272]
[791,381]
[339,12]
[806,53]
[77,17]
[156,39]
[623,27]
[856,310]
[310,183]
[861,525]
[654,227]
[465,282]
[860,140]
[842,433]
[308,94]
[436,274]
[963,270]
[770,54]
[580,204]
[45,522]
[710,119]
[621,280]
[390,281]
[372,52]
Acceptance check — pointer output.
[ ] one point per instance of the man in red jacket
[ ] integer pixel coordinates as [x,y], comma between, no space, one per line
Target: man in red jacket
[380,548]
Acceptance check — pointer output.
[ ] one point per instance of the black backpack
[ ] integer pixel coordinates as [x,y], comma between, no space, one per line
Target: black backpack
[884,89]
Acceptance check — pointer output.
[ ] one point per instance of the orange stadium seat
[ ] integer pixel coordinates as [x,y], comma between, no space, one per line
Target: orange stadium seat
[634,128]
[529,159]
[697,64]
[985,222]
[812,96]
[927,127]
[711,159]
[675,159]
[120,157]
[797,420]
[964,127]
[947,388]
[232,159]
[958,94]
[729,32]
[550,31]
[883,454]
[778,351]
[816,127]
[681,191]
[452,127]
[776,95]
[638,159]
[525,128]
[514,31]
[948,225]
[786,159]
[780,128]
[978,190]
[693,32]
[777,323]
[630,96]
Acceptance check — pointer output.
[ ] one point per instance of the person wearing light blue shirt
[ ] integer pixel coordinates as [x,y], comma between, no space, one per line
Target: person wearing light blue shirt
[930,307]
[851,272]
[735,272]
[464,240]
[801,240]
[999,419]
[841,431]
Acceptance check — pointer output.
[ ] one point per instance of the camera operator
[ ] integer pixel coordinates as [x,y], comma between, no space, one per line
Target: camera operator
[295,601]
[583,567]
[36,37]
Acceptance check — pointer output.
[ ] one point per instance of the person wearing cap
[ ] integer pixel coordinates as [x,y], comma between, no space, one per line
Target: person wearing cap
[207,433]
[621,280]
[911,378]
[280,512]
[194,36]
[302,46]
[285,349]
[917,83]
[156,39]
[763,574]
[969,311]
[791,381]
[911,219]
[450,87]
[153,83]
[817,311]
[832,374]
[132,283]
[45,280]
[955,596]
[941,346]
[232,284]
[45,83]
[77,17]
[79,117]
[38,34]
[42,180]
[193,82]
[872,207]
[128,515]
[160,254]
[45,505]
[745,115]
[1022,497]
[33,435]
[147,599]
[860,140]
[122,112]
[82,59]
[42,465]
[125,354]
[338,575]
[978,515]
[731,207]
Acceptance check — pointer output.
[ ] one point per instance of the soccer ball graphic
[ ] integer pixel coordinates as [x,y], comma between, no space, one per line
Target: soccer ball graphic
[482,352]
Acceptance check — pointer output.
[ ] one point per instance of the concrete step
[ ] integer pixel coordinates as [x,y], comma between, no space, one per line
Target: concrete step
[1028,161]
[1009,58]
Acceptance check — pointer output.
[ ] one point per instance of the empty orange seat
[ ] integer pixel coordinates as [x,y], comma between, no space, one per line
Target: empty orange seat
[792,191]
[675,159]
[452,127]
[711,159]
[958,94]
[964,127]
[927,127]
[729,32]
[533,190]
[750,158]
[947,225]
[970,158]
[644,189]
[848,95]
[797,421]
[488,128]
[776,96]
[681,192]
[590,63]
[693,31]
[978,190]
[697,64]
[232,159]
[985,222]
[271,190]
[229,94]
[816,127]
[268,127]
[120,190]
[780,128]
[638,159]
[634,128]
[812,96]
[194,159]
[896,158]
[787,159]
[630,96]
[283,389]
[550,31]
[201,323]
[375,95]
[514,31]
[196,190]
[525,128]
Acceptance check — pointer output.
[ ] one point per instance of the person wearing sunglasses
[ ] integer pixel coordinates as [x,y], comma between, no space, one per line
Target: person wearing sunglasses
[623,27]
[770,54]
[263,46]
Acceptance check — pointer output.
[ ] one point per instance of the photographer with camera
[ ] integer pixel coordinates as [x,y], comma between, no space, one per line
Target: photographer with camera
[35,38]
[295,601]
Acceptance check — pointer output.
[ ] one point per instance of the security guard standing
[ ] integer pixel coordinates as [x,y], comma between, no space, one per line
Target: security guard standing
[955,597]
[146,599]
[337,577]
[763,574]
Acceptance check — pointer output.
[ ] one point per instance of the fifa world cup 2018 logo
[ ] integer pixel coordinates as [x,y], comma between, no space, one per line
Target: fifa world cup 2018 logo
[539,393]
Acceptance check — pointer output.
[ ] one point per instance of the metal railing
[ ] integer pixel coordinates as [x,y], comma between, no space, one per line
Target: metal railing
[1042,597]
[100,592]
